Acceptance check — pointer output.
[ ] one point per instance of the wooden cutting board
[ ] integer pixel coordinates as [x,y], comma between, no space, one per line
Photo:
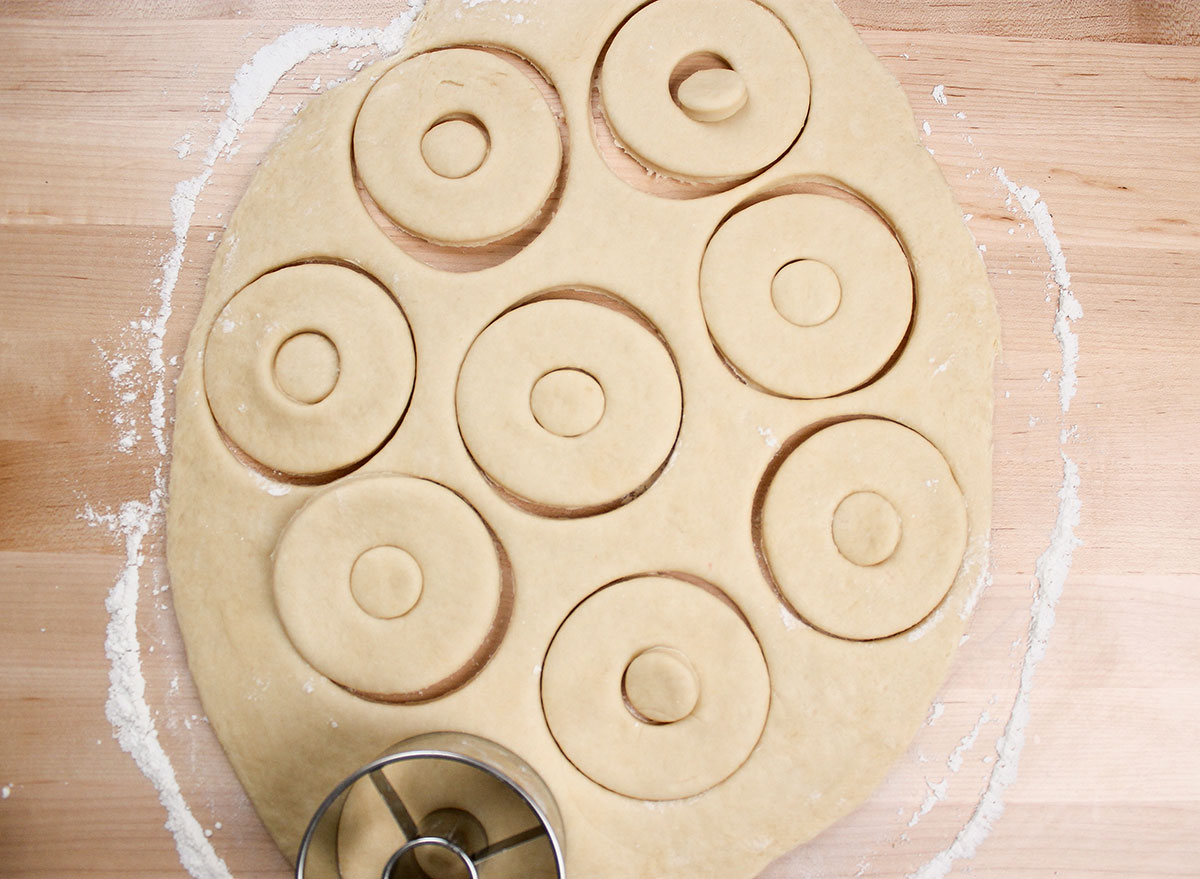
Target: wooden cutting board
[105,107]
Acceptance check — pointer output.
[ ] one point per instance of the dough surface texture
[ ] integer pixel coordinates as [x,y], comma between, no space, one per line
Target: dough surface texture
[681,497]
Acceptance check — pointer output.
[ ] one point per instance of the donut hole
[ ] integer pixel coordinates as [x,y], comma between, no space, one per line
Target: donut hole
[707,88]
[456,146]
[386,582]
[866,528]
[806,292]
[306,367]
[567,402]
[660,686]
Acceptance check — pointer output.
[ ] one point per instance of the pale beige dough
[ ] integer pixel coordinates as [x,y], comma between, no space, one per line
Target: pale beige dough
[569,447]
[724,127]
[758,318]
[661,685]
[883,572]
[420,172]
[712,95]
[455,148]
[394,646]
[586,680]
[696,490]
[306,367]
[311,410]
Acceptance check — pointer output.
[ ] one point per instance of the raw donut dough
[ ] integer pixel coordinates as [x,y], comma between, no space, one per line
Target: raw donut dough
[779,317]
[309,368]
[656,621]
[602,429]
[873,507]
[765,345]
[693,136]
[431,619]
[457,146]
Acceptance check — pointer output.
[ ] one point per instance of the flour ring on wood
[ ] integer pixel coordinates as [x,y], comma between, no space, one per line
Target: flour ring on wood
[585,700]
[570,404]
[430,645]
[864,528]
[702,140]
[813,333]
[458,146]
[309,369]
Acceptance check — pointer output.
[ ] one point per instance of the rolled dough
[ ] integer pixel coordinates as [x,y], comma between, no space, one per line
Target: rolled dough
[682,502]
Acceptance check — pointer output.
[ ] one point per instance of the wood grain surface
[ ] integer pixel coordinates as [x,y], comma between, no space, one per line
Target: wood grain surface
[1096,104]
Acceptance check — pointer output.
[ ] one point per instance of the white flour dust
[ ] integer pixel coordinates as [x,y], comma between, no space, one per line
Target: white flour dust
[1051,569]
[135,519]
[1069,309]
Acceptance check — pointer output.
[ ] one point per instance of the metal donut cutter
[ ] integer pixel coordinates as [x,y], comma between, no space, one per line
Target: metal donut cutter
[443,805]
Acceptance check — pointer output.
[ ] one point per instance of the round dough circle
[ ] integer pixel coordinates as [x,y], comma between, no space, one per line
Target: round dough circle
[454,148]
[376,368]
[386,582]
[806,292]
[712,95]
[508,188]
[306,367]
[799,529]
[842,352]
[567,402]
[866,528]
[583,693]
[620,455]
[404,657]
[661,685]
[635,88]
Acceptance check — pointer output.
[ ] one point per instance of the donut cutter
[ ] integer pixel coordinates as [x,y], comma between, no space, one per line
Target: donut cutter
[443,805]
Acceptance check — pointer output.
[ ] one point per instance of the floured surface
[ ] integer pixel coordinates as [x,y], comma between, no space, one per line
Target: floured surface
[1119,649]
[840,710]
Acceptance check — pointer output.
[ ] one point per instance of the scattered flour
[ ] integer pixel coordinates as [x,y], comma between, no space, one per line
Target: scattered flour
[936,710]
[789,621]
[126,708]
[1069,309]
[937,793]
[769,437]
[5,792]
[1051,569]
[939,94]
[966,743]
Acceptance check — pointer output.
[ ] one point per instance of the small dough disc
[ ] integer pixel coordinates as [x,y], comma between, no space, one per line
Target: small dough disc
[635,87]
[712,95]
[454,148]
[253,372]
[864,528]
[661,685]
[414,101]
[773,313]
[501,396]
[585,679]
[306,367]
[397,657]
